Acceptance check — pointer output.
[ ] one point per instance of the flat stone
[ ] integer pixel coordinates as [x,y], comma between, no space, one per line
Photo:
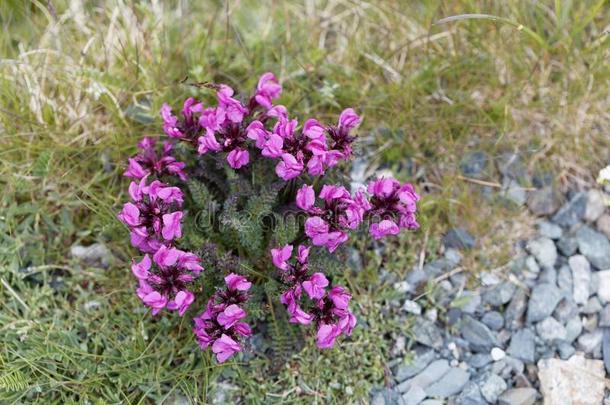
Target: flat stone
[497,354]
[567,245]
[493,320]
[549,230]
[565,310]
[544,250]
[543,300]
[565,350]
[593,306]
[565,280]
[433,372]
[522,346]
[606,348]
[419,363]
[603,285]
[603,224]
[414,396]
[459,238]
[477,334]
[427,333]
[516,309]
[548,275]
[479,360]
[550,330]
[96,254]
[492,387]
[499,294]
[574,381]
[518,396]
[543,202]
[470,301]
[590,342]
[572,212]
[573,329]
[412,307]
[386,396]
[451,383]
[513,192]
[595,205]
[470,395]
[581,278]
[594,246]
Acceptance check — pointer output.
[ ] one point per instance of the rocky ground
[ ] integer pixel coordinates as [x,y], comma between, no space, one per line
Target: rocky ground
[536,328]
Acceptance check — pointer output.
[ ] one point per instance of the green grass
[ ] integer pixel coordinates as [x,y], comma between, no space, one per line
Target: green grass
[79,85]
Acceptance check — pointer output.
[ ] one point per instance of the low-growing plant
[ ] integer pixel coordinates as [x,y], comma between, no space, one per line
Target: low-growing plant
[230,207]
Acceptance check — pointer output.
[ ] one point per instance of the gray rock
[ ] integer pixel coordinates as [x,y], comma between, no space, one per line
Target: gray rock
[543,202]
[479,360]
[603,285]
[573,329]
[493,320]
[513,192]
[430,374]
[474,163]
[606,348]
[94,255]
[427,333]
[477,334]
[565,310]
[593,306]
[581,278]
[499,294]
[405,371]
[412,307]
[550,330]
[589,323]
[492,387]
[567,245]
[386,396]
[470,395]
[590,342]
[515,310]
[594,246]
[544,250]
[522,346]
[459,238]
[565,350]
[604,317]
[548,275]
[549,230]
[572,212]
[414,396]
[603,224]
[542,303]
[518,396]
[565,281]
[470,301]
[451,383]
[454,256]
[432,402]
[595,205]
[511,166]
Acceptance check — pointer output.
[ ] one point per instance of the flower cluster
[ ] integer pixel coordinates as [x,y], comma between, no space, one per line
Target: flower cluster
[252,131]
[328,310]
[220,326]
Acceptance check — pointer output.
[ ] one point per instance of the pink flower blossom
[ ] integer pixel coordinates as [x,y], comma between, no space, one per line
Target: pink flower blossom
[181,302]
[171,225]
[238,158]
[268,88]
[187,127]
[149,162]
[236,282]
[314,287]
[230,316]
[280,256]
[289,167]
[326,336]
[392,206]
[340,297]
[384,228]
[306,197]
[225,347]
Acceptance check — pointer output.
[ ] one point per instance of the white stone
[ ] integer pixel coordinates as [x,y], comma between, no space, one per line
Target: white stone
[577,381]
[581,278]
[603,285]
[595,205]
[412,307]
[497,354]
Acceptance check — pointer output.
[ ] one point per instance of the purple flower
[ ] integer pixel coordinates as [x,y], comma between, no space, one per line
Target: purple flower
[348,119]
[268,88]
[392,206]
[238,158]
[165,284]
[314,287]
[289,167]
[152,217]
[233,109]
[225,347]
[341,145]
[326,336]
[238,283]
[230,316]
[258,133]
[306,197]
[186,128]
[149,162]
[340,297]
[272,147]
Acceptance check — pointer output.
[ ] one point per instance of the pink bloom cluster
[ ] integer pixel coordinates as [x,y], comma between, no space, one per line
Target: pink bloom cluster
[166,284]
[393,206]
[327,309]
[231,126]
[220,325]
[154,215]
[149,162]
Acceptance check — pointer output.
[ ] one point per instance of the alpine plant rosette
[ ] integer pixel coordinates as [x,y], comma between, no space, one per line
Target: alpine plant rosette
[262,185]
